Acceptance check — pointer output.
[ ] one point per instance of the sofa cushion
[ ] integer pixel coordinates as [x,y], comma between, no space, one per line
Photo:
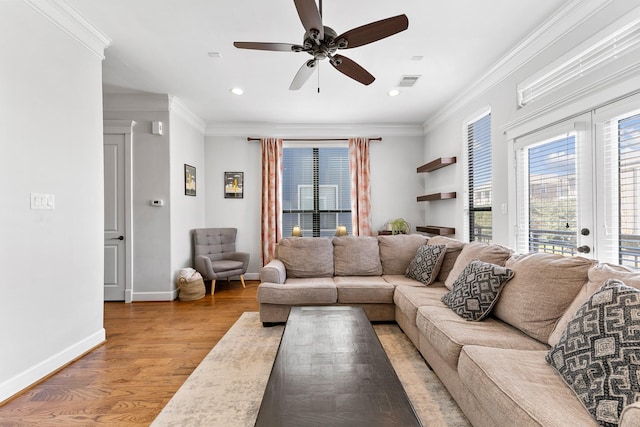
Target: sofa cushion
[397,251]
[409,298]
[306,256]
[491,253]
[449,333]
[597,355]
[363,290]
[299,292]
[598,274]
[518,388]
[541,290]
[476,290]
[425,265]
[356,256]
[396,279]
[454,247]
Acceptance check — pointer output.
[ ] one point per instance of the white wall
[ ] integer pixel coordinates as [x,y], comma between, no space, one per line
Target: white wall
[394,185]
[187,212]
[51,307]
[444,133]
[151,165]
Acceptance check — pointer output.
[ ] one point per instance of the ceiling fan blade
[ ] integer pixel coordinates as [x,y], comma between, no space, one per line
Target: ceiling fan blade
[351,69]
[310,17]
[280,47]
[373,32]
[303,74]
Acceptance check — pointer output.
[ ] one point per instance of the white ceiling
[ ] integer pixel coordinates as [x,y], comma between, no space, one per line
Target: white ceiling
[162,46]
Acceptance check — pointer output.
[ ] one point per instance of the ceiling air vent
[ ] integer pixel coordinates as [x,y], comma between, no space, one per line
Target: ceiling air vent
[408,81]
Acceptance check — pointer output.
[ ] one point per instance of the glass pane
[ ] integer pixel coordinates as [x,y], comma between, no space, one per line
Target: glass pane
[629,198]
[481,226]
[480,176]
[297,173]
[552,197]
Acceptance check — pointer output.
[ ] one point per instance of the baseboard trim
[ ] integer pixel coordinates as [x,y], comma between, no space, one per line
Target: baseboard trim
[42,370]
[154,296]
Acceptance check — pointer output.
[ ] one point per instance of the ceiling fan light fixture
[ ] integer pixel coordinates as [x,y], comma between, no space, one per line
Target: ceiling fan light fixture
[237,91]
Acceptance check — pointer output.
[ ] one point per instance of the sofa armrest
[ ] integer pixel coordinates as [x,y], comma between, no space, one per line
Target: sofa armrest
[274,272]
[630,415]
[204,267]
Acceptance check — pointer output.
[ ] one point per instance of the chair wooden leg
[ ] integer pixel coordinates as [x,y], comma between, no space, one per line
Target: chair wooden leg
[213,286]
[242,280]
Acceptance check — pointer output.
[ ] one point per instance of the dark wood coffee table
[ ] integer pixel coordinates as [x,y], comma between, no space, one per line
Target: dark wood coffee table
[331,370]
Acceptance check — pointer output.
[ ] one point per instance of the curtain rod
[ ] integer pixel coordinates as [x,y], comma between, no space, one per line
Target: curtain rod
[314,139]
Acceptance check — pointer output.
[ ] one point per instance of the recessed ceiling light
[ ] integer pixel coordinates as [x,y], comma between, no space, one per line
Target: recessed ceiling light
[237,91]
[393,92]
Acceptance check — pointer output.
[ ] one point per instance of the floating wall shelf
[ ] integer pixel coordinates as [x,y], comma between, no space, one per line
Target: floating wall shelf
[437,196]
[434,229]
[437,164]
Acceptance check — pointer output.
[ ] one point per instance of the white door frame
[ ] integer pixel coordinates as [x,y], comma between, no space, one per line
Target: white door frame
[125,127]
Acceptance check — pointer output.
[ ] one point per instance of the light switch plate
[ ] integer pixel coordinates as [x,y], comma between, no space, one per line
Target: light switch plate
[42,201]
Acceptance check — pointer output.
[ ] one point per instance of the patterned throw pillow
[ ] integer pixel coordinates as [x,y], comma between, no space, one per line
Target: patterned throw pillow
[426,264]
[598,355]
[476,289]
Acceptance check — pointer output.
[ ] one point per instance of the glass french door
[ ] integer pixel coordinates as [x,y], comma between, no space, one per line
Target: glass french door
[555,185]
[578,186]
[617,133]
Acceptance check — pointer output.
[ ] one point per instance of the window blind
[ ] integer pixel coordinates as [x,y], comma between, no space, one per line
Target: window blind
[622,189]
[480,176]
[552,197]
[316,192]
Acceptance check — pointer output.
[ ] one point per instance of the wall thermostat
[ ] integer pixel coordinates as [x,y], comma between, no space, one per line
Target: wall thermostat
[157,203]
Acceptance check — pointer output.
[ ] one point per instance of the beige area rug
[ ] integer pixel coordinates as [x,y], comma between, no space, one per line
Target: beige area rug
[226,388]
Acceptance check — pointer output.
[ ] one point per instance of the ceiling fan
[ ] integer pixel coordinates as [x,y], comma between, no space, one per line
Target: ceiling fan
[322,42]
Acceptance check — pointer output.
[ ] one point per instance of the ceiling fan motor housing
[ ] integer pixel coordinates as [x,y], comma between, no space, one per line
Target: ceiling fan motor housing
[320,49]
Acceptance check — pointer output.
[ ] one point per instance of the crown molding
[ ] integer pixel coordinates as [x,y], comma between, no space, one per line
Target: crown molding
[301,130]
[178,107]
[71,22]
[566,19]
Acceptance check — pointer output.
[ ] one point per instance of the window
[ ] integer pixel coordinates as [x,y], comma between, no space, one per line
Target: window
[479,160]
[316,192]
[548,193]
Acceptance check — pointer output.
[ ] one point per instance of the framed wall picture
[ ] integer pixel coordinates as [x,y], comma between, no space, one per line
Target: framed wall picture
[233,185]
[189,180]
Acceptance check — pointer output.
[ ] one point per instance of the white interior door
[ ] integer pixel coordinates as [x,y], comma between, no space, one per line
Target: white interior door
[117,212]
[114,225]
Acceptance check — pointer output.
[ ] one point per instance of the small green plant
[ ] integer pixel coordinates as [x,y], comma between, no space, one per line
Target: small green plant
[398,226]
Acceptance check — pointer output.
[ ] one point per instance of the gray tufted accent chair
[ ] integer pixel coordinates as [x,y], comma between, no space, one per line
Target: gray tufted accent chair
[215,255]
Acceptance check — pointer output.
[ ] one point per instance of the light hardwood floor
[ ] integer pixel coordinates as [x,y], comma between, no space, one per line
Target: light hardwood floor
[151,349]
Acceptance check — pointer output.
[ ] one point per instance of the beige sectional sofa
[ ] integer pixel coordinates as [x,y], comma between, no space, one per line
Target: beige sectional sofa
[495,368]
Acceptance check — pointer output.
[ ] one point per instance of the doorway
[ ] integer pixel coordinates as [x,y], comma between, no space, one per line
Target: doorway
[117,210]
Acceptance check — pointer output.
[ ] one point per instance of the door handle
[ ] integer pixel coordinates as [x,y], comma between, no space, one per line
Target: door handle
[117,238]
[584,249]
